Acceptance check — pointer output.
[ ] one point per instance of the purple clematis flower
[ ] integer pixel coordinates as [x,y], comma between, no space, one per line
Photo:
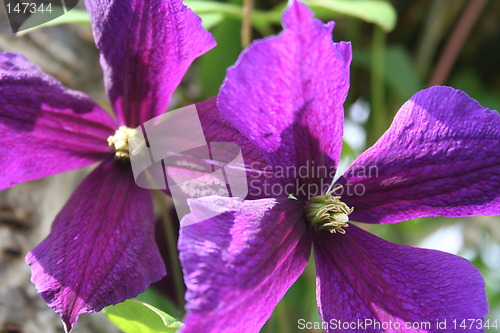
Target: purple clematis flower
[440,157]
[101,249]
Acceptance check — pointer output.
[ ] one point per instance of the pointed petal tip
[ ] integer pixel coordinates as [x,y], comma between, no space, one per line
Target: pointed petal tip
[303,55]
[68,325]
[155,44]
[296,13]
[298,16]
[447,93]
[121,253]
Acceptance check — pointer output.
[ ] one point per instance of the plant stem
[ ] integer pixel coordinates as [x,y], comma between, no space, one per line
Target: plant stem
[353,35]
[246,23]
[378,116]
[454,45]
[283,319]
[262,21]
[173,254]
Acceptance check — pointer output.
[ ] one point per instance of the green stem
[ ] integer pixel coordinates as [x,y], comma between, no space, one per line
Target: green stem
[353,35]
[310,274]
[283,319]
[378,116]
[173,254]
[269,326]
[456,42]
[259,17]
[246,23]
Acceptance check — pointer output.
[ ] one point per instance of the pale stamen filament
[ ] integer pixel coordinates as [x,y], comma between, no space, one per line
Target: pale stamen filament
[328,212]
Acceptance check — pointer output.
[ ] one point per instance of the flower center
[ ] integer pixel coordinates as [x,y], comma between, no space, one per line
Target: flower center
[118,143]
[328,212]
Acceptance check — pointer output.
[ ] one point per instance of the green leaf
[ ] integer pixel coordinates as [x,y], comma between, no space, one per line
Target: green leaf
[400,72]
[212,66]
[469,81]
[210,15]
[133,316]
[347,151]
[155,298]
[379,12]
[74,16]
[202,7]
[211,20]
[261,20]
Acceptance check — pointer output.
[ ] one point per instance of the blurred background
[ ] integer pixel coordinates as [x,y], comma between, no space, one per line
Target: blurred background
[399,48]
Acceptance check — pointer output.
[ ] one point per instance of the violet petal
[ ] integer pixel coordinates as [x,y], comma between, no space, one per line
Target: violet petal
[286,93]
[146,48]
[239,264]
[46,128]
[440,157]
[362,277]
[101,249]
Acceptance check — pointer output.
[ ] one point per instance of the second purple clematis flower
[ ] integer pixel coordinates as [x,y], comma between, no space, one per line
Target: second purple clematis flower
[440,157]
[101,249]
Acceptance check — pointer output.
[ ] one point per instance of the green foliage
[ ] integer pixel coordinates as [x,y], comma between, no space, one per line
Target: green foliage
[348,151]
[400,73]
[133,316]
[74,16]
[211,20]
[379,12]
[261,20]
[152,297]
[469,81]
[212,66]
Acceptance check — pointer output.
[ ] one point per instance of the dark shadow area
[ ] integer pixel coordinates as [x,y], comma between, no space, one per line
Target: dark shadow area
[25,93]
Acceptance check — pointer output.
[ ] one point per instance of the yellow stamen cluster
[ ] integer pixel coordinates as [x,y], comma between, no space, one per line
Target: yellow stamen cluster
[328,212]
[118,143]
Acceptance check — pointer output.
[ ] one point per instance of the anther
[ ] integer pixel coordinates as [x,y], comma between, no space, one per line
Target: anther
[328,212]
[118,143]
